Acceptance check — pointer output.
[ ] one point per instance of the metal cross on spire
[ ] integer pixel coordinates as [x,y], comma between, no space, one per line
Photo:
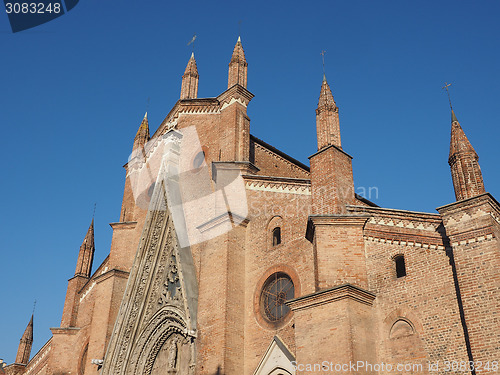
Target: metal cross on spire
[192,41]
[323,58]
[34,305]
[93,214]
[445,87]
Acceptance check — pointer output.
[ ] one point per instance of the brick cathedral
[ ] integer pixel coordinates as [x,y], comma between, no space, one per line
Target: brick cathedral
[215,266]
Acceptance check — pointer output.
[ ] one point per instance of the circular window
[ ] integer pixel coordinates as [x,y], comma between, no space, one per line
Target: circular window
[278,289]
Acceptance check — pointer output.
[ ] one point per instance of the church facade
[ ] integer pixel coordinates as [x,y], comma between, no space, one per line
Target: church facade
[231,257]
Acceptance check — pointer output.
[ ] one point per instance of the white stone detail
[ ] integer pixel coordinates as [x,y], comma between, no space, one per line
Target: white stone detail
[275,360]
[84,294]
[277,187]
[232,101]
[41,355]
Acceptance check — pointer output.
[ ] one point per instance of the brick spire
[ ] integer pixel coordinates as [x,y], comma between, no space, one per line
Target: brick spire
[238,67]
[24,350]
[327,118]
[86,255]
[189,87]
[463,160]
[142,136]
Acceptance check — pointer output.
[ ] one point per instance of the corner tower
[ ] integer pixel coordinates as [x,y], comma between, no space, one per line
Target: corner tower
[463,160]
[331,167]
[82,275]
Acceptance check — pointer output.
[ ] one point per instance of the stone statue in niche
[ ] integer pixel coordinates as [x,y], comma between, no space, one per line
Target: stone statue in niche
[175,357]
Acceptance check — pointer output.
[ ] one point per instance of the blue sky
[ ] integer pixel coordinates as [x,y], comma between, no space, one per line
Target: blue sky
[74,92]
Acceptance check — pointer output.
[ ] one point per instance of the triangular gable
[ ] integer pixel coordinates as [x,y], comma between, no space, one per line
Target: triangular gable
[155,330]
[277,360]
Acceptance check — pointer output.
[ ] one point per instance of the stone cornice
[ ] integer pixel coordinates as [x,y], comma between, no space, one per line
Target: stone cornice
[64,331]
[236,92]
[472,236]
[380,212]
[111,273]
[323,297]
[245,167]
[485,198]
[278,184]
[187,106]
[221,219]
[123,225]
[329,147]
[405,240]
[477,208]
[357,220]
[341,220]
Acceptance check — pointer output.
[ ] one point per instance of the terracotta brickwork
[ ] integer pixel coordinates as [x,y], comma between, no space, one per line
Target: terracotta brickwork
[370,285]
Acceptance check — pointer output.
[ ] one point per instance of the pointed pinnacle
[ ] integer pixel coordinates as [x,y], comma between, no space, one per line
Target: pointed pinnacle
[239,39]
[459,143]
[28,332]
[191,67]
[326,96]
[89,236]
[238,52]
[145,116]
[453,117]
[324,77]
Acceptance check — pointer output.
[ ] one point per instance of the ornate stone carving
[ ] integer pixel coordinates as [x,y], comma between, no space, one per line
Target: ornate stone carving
[156,324]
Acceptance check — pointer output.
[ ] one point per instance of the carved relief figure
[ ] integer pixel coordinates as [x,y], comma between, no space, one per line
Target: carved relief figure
[173,353]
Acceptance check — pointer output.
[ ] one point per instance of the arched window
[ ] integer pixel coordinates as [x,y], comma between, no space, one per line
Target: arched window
[400,266]
[276,236]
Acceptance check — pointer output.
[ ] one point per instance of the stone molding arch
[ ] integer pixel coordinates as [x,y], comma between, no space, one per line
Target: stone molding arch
[405,315]
[280,371]
[165,323]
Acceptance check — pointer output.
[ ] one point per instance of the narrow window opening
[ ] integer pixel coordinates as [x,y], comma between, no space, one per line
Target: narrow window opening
[400,266]
[276,236]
